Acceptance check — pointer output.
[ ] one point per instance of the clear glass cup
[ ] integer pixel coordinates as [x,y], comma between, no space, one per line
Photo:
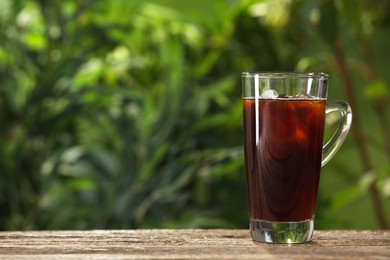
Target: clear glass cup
[284,119]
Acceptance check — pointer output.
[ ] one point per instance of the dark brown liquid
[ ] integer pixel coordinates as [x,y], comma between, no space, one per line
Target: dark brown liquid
[283,152]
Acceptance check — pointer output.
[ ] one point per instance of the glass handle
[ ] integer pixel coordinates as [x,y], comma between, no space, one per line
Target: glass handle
[333,145]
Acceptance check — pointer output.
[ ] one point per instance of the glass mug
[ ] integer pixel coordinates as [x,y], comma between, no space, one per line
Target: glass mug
[284,118]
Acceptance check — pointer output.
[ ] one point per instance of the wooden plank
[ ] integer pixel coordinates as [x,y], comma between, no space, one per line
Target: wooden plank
[187,244]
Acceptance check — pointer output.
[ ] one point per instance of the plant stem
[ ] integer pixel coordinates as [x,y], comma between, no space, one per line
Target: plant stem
[357,134]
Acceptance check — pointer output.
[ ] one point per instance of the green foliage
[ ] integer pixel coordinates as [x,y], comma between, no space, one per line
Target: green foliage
[127,114]
[328,24]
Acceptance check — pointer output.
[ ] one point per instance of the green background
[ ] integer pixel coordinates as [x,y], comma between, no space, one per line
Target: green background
[127,114]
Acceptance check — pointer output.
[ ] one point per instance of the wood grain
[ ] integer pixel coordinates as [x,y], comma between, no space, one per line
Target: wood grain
[188,244]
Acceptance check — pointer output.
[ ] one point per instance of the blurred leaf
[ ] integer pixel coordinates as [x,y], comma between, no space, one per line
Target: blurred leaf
[383,180]
[81,185]
[367,180]
[89,74]
[274,14]
[328,24]
[154,159]
[376,89]
[104,160]
[385,187]
[5,9]
[207,63]
[35,40]
[343,198]
[352,11]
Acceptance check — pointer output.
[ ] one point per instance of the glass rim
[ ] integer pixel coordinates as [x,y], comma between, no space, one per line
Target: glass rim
[276,75]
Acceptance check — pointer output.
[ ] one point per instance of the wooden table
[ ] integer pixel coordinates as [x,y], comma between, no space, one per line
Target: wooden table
[188,244]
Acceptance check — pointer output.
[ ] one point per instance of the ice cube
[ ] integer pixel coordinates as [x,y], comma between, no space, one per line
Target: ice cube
[270,94]
[283,96]
[304,96]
